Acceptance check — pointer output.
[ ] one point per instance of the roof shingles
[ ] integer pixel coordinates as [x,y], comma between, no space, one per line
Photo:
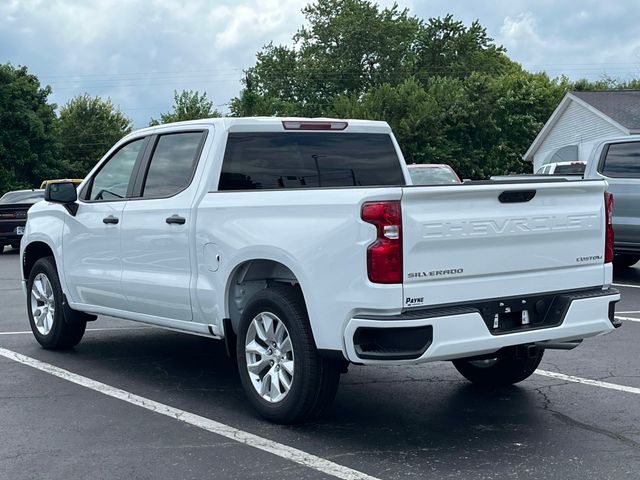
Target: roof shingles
[622,106]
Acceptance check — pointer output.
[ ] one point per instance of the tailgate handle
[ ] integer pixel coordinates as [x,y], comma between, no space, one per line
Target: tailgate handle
[516,196]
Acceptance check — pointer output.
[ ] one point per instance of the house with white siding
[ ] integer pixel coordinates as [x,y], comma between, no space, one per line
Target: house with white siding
[581,120]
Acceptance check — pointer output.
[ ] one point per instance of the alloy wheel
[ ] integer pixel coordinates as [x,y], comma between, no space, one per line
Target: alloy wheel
[269,357]
[43,305]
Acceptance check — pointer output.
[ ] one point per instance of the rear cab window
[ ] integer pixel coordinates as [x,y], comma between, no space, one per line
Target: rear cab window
[287,160]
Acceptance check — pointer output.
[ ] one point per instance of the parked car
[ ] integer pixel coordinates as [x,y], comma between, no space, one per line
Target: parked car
[13,215]
[432,174]
[562,168]
[76,181]
[299,242]
[617,160]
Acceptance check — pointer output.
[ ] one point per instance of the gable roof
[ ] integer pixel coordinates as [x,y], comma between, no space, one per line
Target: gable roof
[620,108]
[623,106]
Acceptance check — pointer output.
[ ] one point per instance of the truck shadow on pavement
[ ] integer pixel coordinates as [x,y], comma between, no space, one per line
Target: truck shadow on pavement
[627,275]
[402,411]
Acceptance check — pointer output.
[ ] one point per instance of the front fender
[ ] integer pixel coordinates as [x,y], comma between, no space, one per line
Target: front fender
[45,224]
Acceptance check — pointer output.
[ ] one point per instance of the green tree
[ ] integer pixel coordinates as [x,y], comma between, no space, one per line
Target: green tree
[87,127]
[450,93]
[480,124]
[188,105]
[347,47]
[444,47]
[351,46]
[27,140]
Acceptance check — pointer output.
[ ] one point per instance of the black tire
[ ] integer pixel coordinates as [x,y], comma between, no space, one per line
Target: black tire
[315,379]
[67,329]
[625,260]
[1,248]
[508,367]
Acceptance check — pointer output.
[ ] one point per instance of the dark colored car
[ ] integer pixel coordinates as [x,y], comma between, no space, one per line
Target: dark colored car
[13,215]
[432,174]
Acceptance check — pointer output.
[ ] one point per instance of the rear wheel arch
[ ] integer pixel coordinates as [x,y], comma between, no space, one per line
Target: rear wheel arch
[250,277]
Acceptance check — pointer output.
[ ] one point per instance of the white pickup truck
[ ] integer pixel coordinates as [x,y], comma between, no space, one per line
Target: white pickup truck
[303,244]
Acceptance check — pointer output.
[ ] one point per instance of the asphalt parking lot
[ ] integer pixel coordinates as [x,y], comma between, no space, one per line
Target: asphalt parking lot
[141,403]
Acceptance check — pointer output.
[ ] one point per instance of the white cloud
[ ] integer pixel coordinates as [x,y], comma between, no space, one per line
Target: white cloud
[521,33]
[137,52]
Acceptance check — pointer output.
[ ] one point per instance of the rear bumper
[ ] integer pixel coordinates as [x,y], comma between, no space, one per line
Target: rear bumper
[459,332]
[8,229]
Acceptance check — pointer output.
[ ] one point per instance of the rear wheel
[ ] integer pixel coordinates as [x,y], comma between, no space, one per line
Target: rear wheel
[625,260]
[50,325]
[281,372]
[510,365]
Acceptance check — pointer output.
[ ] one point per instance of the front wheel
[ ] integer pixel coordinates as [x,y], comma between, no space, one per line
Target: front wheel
[509,366]
[49,324]
[281,372]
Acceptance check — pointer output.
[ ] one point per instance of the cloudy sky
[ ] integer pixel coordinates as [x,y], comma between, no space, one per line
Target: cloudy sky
[138,52]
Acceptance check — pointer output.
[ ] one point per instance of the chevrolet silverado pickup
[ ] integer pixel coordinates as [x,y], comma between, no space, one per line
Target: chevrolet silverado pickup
[303,245]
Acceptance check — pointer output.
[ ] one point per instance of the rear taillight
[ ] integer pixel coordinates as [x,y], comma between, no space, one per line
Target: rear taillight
[608,242]
[384,256]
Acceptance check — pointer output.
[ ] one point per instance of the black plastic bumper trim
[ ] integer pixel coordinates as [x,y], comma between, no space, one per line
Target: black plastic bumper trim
[400,343]
[547,309]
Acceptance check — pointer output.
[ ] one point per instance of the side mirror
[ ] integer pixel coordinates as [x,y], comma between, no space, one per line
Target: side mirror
[63,193]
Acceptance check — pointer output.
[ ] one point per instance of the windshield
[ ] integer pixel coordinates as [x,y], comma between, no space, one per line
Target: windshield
[573,168]
[31,196]
[432,175]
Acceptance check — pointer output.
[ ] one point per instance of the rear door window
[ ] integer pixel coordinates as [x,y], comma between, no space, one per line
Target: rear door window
[622,160]
[273,160]
[172,164]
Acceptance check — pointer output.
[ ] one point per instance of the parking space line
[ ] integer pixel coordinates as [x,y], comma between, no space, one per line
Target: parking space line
[587,381]
[625,285]
[106,329]
[632,311]
[284,451]
[628,319]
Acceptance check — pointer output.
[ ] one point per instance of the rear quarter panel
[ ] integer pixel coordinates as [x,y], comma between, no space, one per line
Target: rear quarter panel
[316,233]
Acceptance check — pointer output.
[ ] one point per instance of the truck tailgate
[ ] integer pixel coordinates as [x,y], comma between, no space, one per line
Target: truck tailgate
[490,241]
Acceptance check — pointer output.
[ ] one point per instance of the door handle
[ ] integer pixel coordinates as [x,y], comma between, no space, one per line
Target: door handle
[177,219]
[110,220]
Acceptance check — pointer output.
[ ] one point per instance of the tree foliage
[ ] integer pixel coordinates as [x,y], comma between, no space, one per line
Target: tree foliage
[449,92]
[188,105]
[87,128]
[27,134]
